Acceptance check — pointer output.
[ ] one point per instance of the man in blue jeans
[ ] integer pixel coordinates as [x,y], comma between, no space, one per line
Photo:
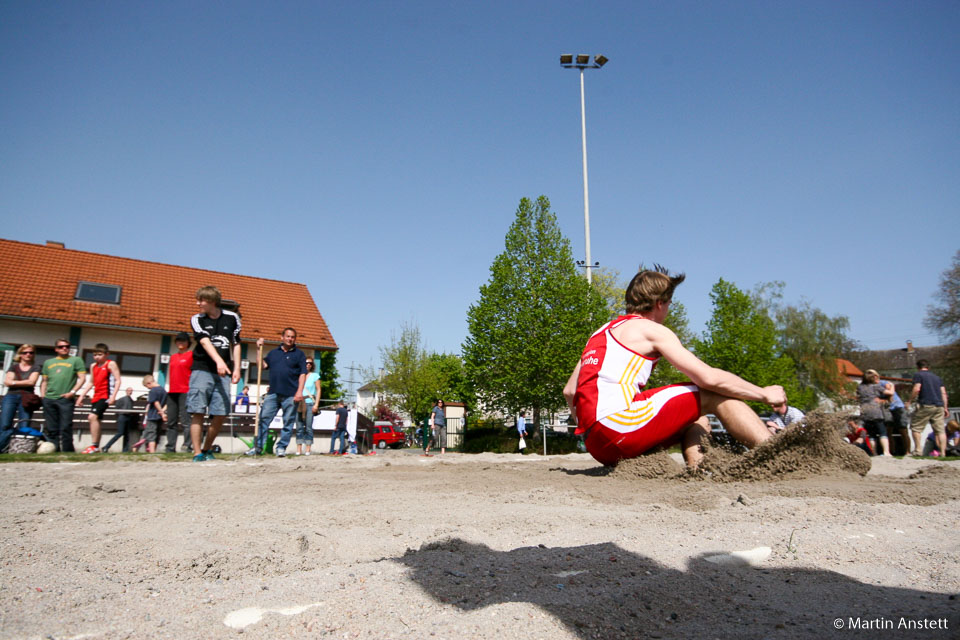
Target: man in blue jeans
[287,368]
[340,430]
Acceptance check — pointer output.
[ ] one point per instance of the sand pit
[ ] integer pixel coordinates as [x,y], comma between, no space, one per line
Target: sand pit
[814,449]
[502,547]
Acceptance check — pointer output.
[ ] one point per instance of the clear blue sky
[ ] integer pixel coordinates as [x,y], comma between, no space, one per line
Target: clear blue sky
[376,151]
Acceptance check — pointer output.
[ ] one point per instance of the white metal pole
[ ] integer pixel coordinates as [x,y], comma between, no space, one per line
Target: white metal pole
[586,191]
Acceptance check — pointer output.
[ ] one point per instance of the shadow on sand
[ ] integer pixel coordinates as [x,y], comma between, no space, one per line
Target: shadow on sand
[603,591]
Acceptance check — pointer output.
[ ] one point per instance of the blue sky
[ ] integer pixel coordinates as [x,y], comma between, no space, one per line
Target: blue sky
[377,151]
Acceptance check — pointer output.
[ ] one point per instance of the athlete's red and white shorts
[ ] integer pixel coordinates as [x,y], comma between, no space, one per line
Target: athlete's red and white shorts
[655,417]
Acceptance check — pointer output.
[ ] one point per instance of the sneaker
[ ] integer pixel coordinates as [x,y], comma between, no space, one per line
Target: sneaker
[252,452]
[281,453]
[307,453]
[207,455]
[298,453]
[199,458]
[91,449]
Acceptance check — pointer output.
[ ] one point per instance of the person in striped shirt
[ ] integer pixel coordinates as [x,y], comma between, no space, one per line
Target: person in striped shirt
[619,419]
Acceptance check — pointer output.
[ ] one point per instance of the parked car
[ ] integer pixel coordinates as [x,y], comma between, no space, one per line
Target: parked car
[386,435]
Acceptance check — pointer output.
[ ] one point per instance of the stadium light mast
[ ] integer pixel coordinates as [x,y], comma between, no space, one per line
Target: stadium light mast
[582,61]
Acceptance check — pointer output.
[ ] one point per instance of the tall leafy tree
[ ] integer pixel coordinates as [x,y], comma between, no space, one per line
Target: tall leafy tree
[607,283]
[407,381]
[329,376]
[944,316]
[812,339]
[533,317]
[742,339]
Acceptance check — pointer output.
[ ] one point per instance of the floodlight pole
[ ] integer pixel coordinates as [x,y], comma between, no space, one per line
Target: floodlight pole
[586,189]
[582,62]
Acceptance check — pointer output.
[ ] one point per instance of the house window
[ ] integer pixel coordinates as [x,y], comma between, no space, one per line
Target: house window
[95,292]
[131,364]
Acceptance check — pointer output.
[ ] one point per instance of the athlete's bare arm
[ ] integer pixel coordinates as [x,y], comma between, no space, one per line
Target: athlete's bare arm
[651,338]
[570,390]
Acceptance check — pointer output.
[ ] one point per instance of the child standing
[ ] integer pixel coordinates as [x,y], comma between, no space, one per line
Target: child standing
[105,381]
[156,412]
[217,332]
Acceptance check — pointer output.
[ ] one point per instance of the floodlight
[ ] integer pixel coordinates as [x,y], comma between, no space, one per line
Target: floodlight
[583,58]
[566,58]
[600,60]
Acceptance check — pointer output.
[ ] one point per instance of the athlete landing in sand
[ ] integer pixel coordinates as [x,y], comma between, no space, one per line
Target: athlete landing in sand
[619,419]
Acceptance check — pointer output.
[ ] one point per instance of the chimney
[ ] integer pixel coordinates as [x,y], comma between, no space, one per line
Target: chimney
[909,346]
[53,244]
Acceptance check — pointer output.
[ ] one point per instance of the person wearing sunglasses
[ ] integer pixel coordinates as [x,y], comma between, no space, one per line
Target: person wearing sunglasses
[20,382]
[61,378]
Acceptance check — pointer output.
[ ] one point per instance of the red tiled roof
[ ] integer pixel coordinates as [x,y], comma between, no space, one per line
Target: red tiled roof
[155,296]
[847,368]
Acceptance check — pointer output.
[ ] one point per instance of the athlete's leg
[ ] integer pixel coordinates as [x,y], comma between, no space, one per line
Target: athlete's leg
[738,419]
[692,438]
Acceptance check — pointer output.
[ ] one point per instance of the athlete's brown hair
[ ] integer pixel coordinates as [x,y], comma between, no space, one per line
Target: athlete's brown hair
[651,286]
[210,294]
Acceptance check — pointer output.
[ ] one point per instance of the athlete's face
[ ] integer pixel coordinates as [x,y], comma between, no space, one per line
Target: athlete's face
[99,357]
[660,311]
[205,306]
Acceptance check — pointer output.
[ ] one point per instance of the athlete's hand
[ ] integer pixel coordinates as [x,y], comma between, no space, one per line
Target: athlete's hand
[774,395]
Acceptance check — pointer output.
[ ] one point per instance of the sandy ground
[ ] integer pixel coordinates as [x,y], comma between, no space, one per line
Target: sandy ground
[471,546]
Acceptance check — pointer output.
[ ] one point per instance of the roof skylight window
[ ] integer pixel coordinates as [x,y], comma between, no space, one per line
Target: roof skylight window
[96,292]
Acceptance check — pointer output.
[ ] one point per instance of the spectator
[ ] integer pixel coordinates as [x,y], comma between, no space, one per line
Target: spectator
[124,420]
[932,406]
[217,332]
[105,382]
[156,413]
[61,377]
[783,415]
[310,404]
[287,366]
[438,427]
[870,395]
[179,374]
[522,428]
[243,398]
[857,435]
[952,429]
[20,402]
[895,415]
[340,430]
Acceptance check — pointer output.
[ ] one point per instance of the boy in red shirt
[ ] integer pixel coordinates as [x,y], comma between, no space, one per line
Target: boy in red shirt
[105,381]
[179,376]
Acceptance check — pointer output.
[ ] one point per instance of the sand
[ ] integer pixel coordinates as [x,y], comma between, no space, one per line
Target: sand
[483,546]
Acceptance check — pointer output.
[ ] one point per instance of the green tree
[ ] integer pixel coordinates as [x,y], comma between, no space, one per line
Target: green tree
[407,381]
[452,384]
[533,317]
[944,317]
[607,283]
[813,340]
[741,338]
[329,377]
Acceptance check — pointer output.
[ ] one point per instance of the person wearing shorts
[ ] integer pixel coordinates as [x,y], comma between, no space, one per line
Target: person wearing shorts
[932,407]
[156,412]
[619,419]
[105,381]
[871,394]
[217,334]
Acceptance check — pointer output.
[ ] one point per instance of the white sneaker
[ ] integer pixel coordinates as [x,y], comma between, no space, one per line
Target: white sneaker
[298,453]
[281,453]
[307,453]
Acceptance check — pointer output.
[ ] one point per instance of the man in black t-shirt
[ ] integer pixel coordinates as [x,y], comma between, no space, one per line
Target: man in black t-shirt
[932,406]
[216,363]
[340,430]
